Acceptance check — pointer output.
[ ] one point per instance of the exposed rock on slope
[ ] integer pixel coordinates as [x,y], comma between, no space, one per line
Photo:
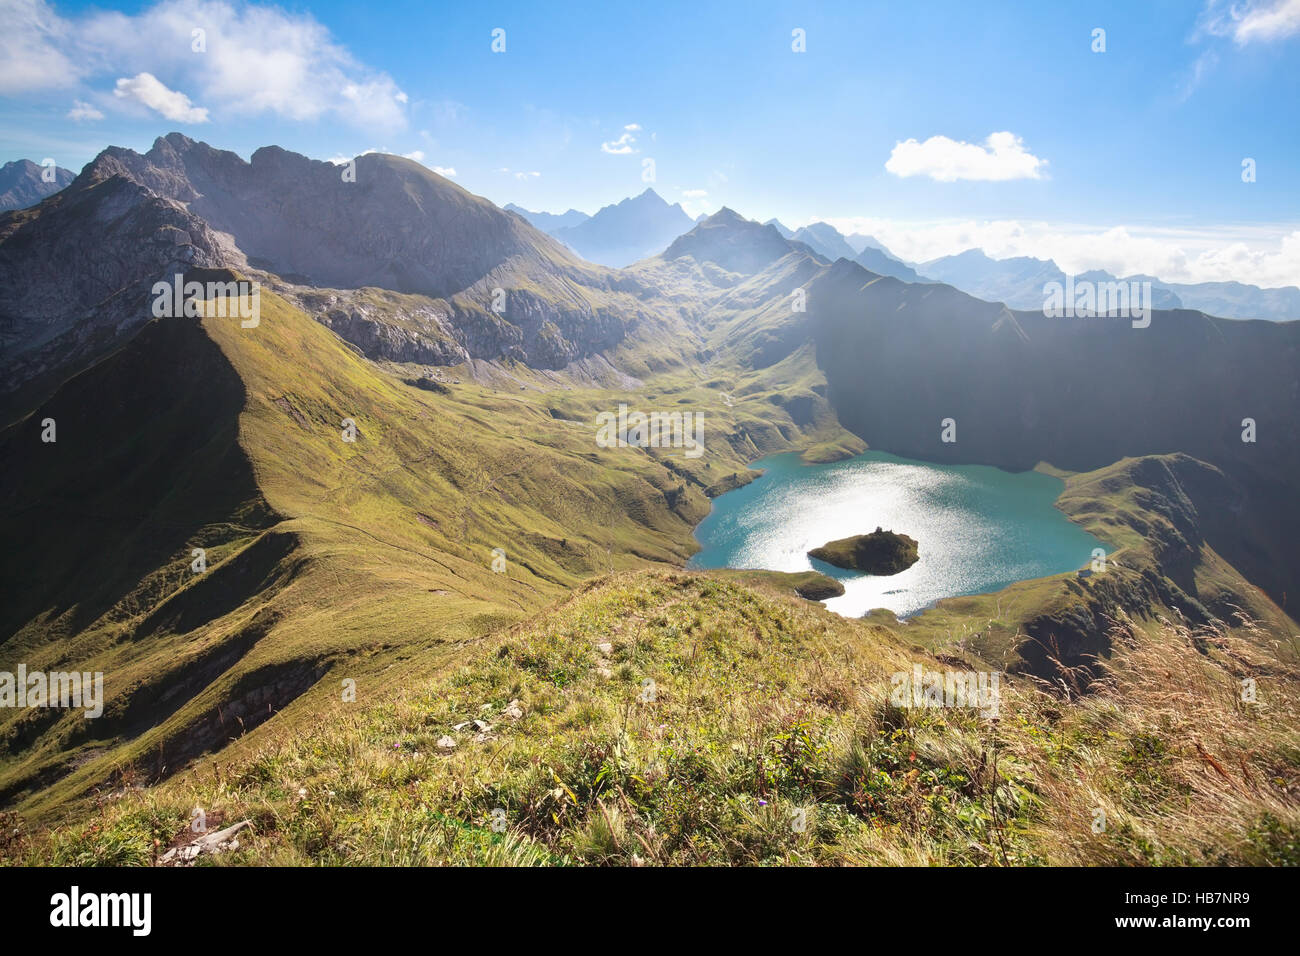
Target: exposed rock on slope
[75,271]
[416,268]
[399,226]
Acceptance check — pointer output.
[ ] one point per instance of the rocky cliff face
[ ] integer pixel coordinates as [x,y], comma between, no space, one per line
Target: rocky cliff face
[398,226]
[75,271]
[471,280]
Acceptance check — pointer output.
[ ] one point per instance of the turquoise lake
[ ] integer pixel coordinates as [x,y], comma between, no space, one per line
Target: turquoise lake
[978,528]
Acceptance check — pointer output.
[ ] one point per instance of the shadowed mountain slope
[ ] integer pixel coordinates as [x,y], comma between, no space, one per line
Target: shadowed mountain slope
[1079,393]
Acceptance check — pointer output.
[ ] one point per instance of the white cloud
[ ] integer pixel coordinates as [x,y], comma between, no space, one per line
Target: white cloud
[1253,20]
[693,207]
[696,201]
[633,127]
[1267,256]
[519,174]
[146,88]
[81,110]
[1204,64]
[447,171]
[32,48]
[1003,156]
[1267,268]
[417,155]
[257,59]
[621,146]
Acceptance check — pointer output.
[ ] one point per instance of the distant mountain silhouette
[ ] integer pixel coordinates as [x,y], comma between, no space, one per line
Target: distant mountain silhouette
[826,240]
[1019,283]
[878,260]
[733,242]
[549,221]
[860,241]
[628,231]
[22,184]
[785,231]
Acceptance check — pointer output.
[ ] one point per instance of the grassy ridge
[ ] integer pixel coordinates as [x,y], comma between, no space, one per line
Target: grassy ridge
[770,737]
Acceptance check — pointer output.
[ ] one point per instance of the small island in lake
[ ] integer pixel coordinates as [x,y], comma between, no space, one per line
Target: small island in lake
[881,552]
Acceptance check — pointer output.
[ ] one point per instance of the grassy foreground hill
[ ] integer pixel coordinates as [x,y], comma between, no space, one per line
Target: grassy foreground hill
[662,717]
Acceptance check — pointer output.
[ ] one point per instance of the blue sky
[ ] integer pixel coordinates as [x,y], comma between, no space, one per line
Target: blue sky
[1130,157]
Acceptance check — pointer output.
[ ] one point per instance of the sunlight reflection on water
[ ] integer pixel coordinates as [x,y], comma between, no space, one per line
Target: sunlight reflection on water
[978,529]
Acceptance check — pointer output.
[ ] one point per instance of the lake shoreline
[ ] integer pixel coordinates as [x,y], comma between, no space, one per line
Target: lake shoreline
[980,528]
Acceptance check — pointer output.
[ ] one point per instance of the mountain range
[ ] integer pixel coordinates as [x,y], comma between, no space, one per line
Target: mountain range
[399,227]
[1019,282]
[548,221]
[1016,281]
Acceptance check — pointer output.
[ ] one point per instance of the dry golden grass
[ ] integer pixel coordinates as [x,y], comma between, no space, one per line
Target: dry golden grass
[764,706]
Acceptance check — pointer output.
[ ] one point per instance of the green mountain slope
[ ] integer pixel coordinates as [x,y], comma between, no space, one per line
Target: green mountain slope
[325,557]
